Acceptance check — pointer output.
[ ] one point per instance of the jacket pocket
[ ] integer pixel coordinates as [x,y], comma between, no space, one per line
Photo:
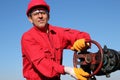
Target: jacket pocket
[48,54]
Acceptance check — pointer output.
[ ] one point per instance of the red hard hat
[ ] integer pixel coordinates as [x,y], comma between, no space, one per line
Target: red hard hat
[34,3]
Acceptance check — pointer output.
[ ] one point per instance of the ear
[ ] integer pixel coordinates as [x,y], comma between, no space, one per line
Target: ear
[30,19]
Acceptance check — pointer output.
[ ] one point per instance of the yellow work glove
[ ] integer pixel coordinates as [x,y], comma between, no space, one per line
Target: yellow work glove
[77,73]
[80,74]
[79,45]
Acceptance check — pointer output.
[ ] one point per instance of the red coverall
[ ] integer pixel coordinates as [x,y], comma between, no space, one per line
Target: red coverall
[42,52]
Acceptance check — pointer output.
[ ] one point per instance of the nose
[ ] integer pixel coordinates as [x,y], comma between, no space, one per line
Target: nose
[40,15]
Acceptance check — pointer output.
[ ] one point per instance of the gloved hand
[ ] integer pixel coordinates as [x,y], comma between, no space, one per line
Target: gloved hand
[79,45]
[77,73]
[80,74]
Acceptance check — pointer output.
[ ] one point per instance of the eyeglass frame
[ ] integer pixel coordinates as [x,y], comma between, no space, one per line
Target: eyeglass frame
[38,11]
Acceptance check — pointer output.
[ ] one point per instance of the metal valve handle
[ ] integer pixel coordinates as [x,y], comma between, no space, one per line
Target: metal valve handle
[93,60]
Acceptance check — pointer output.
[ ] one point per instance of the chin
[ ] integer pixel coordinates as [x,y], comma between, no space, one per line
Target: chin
[41,26]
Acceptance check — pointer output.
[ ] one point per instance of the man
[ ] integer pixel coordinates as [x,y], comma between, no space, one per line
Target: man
[43,44]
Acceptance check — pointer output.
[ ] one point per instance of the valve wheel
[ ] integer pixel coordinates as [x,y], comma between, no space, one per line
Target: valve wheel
[93,60]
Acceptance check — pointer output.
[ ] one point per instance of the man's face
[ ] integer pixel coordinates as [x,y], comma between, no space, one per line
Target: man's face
[39,17]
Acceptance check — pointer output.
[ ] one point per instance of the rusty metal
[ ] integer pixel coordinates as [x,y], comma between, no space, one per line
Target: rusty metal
[89,58]
[102,62]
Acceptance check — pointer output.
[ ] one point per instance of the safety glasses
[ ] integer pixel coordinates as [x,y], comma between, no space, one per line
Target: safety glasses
[37,12]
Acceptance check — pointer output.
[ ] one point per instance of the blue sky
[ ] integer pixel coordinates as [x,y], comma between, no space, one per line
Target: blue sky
[100,18]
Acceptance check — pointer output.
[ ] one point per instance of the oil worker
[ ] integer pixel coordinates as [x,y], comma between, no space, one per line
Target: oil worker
[42,46]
